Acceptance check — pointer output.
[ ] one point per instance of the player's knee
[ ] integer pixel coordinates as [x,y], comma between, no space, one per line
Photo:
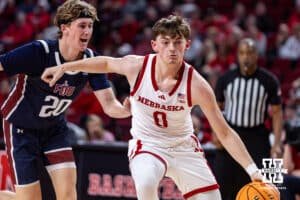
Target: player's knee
[146,186]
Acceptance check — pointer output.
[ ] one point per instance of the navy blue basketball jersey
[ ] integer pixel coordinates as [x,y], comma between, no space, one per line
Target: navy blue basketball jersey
[31,102]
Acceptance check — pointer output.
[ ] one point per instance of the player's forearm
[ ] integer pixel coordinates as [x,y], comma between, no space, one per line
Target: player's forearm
[116,110]
[236,148]
[89,65]
[111,105]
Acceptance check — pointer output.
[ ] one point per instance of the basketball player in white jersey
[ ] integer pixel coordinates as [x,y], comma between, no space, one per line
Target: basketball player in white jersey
[164,88]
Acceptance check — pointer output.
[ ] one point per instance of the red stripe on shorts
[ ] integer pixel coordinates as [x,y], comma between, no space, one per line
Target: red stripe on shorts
[200,190]
[60,157]
[7,137]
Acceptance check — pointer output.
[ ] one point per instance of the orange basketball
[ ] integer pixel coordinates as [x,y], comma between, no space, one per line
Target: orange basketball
[258,191]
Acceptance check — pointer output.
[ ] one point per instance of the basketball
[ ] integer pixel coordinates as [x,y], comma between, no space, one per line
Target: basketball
[258,191]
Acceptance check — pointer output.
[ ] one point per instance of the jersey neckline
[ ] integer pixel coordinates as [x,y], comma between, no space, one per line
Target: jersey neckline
[154,83]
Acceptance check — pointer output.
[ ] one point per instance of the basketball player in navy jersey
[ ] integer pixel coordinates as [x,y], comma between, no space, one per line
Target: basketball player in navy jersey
[163,90]
[33,114]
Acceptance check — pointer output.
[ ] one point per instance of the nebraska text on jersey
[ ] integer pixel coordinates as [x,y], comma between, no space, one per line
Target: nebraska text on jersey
[152,104]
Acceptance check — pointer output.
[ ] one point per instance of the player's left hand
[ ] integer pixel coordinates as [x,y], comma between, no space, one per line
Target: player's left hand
[52,74]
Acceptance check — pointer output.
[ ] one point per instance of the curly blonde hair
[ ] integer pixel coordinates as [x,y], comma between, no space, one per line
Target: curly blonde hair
[72,10]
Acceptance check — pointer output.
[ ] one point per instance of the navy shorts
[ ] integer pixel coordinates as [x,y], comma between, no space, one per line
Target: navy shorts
[26,148]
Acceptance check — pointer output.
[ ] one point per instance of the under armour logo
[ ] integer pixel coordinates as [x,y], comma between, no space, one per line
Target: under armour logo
[162,97]
[20,130]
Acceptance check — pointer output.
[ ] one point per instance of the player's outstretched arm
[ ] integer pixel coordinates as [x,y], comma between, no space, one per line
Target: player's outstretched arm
[202,94]
[128,66]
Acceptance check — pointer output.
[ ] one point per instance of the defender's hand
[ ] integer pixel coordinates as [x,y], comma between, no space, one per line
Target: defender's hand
[52,74]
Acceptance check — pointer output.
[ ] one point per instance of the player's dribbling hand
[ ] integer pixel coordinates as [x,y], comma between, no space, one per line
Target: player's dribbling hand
[256,176]
[52,74]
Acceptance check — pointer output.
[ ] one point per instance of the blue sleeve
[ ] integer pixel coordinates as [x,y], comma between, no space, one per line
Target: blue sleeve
[28,59]
[98,81]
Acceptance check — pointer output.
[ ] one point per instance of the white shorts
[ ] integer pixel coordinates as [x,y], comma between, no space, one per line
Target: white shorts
[185,164]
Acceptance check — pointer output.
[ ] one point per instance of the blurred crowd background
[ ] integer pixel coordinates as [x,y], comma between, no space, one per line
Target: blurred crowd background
[125,28]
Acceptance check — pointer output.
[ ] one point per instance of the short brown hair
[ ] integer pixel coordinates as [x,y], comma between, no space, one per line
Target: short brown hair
[173,26]
[72,10]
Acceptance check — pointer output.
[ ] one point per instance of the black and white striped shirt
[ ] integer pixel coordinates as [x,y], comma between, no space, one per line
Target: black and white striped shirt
[247,98]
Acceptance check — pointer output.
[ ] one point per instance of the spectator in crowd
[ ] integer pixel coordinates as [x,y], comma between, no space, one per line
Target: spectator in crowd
[239,15]
[294,18]
[39,18]
[75,133]
[7,13]
[224,59]
[263,20]
[282,35]
[50,32]
[245,94]
[27,6]
[17,33]
[195,51]
[291,48]
[95,130]
[256,34]
[143,46]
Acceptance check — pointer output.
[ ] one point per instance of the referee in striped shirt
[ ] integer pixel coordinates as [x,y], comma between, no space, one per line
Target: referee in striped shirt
[244,94]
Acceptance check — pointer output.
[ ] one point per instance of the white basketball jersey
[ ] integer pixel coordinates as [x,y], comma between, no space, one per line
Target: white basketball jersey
[161,118]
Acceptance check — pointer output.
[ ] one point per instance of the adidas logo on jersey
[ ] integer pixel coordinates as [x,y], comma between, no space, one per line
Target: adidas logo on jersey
[162,97]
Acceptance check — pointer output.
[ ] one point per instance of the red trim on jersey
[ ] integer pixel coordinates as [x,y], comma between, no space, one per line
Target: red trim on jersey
[140,76]
[60,157]
[189,85]
[200,190]
[198,149]
[13,99]
[180,72]
[153,74]
[8,135]
[138,147]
